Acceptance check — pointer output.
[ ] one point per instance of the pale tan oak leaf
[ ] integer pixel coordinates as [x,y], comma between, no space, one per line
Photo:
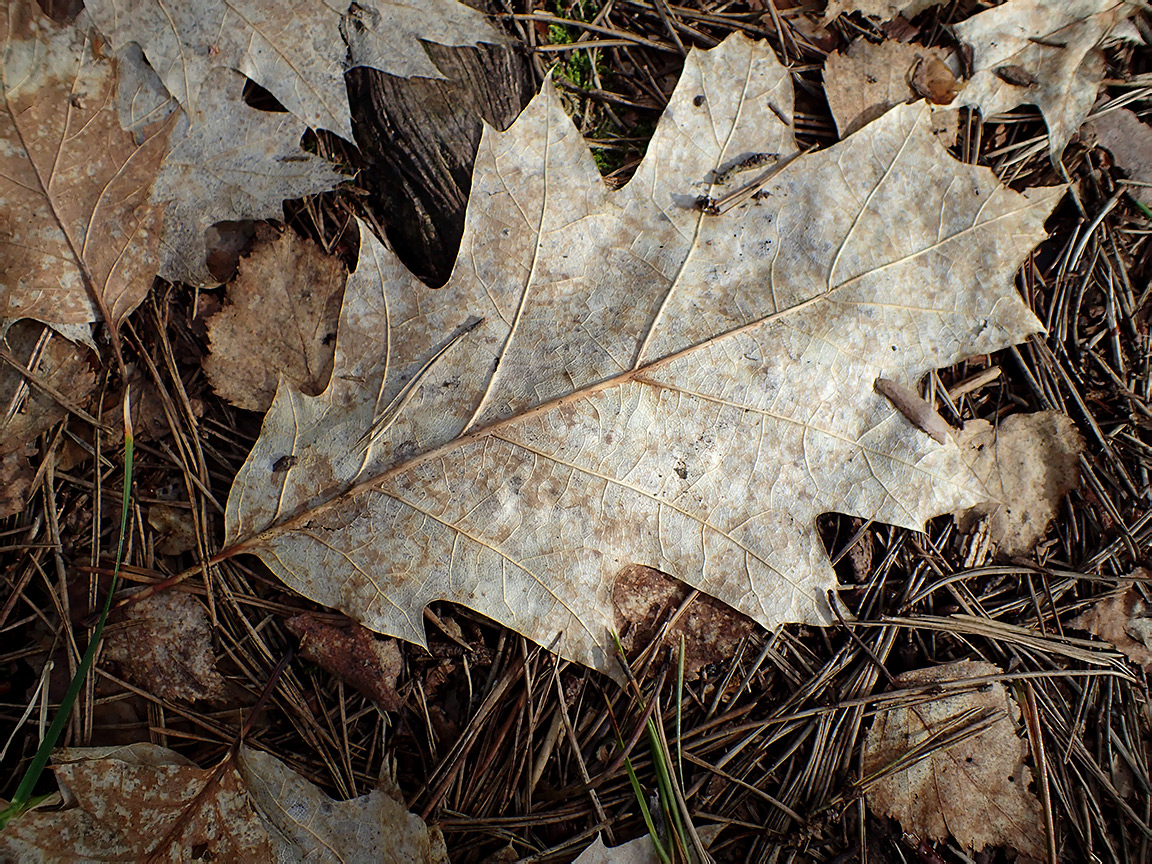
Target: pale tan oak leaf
[618,377]
[298,52]
[1036,52]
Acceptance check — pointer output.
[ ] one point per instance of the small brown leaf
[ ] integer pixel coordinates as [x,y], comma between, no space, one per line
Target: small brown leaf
[933,80]
[1124,619]
[1031,461]
[866,80]
[643,599]
[281,320]
[164,645]
[174,527]
[352,653]
[975,789]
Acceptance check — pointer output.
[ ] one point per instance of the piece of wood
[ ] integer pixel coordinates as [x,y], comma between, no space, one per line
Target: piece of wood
[419,138]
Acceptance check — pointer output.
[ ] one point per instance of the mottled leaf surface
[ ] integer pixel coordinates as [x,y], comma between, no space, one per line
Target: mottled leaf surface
[78,236]
[974,787]
[612,378]
[234,163]
[146,802]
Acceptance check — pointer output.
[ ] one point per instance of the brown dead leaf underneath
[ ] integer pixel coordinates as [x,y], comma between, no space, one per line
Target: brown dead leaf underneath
[976,789]
[866,80]
[1030,462]
[644,599]
[144,802]
[280,320]
[1130,142]
[28,411]
[164,645]
[352,653]
[1124,619]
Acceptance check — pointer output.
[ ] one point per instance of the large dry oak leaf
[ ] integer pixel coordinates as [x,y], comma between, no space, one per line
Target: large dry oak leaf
[618,377]
[1036,52]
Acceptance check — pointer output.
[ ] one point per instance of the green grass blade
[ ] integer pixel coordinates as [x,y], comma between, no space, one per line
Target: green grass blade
[661,852]
[22,799]
[680,711]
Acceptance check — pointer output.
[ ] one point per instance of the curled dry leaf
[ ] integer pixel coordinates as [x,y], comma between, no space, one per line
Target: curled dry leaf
[1036,52]
[279,322]
[1124,619]
[935,80]
[121,803]
[975,789]
[868,79]
[297,52]
[164,646]
[78,234]
[1030,462]
[615,377]
[352,653]
[1130,141]
[29,407]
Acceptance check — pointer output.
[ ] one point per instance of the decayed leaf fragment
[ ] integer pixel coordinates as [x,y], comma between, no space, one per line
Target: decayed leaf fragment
[1124,619]
[977,788]
[30,410]
[1056,45]
[352,653]
[164,645]
[1030,462]
[121,803]
[297,52]
[1130,141]
[637,381]
[880,10]
[280,321]
[78,235]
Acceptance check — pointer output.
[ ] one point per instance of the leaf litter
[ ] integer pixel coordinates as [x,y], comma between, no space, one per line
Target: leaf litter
[298,53]
[279,322]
